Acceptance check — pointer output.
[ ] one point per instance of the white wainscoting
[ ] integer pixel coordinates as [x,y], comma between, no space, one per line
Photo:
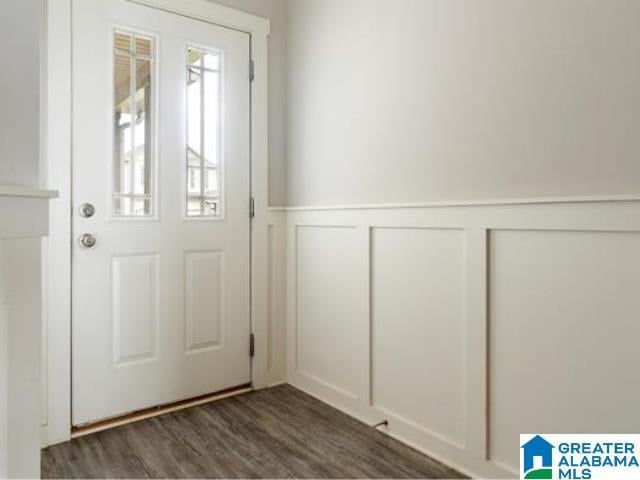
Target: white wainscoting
[23,221]
[4,385]
[465,325]
[20,363]
[430,305]
[276,298]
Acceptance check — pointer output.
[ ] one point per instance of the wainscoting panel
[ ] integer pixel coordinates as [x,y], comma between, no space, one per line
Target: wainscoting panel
[20,348]
[276,298]
[564,329]
[418,328]
[326,329]
[4,380]
[464,325]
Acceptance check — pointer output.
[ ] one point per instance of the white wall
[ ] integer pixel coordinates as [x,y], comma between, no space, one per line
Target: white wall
[414,100]
[20,55]
[276,12]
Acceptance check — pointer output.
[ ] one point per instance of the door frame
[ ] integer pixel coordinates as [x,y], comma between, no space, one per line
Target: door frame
[57,249]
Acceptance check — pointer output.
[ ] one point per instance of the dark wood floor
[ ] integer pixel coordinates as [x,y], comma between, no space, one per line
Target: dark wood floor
[275,433]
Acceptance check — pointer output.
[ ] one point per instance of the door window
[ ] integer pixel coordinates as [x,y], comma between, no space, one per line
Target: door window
[133,164]
[203,152]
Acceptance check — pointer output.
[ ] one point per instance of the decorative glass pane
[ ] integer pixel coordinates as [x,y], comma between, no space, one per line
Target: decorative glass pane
[211,117]
[143,47]
[122,41]
[194,120]
[142,173]
[122,127]
[194,58]
[203,133]
[133,99]
[211,183]
[212,61]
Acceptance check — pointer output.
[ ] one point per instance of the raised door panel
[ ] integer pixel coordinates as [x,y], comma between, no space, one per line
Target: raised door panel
[203,290]
[134,308]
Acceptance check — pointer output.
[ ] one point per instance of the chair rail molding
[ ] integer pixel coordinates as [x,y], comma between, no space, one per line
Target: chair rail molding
[24,219]
[439,318]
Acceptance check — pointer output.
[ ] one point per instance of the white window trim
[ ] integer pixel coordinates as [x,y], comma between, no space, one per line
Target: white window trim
[57,267]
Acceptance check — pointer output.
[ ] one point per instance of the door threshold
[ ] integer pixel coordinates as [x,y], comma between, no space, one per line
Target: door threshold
[151,412]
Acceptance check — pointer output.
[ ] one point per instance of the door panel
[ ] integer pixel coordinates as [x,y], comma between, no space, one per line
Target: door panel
[203,287]
[161,151]
[134,307]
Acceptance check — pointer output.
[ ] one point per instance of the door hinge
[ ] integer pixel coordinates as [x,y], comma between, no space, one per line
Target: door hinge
[252,345]
[252,207]
[252,70]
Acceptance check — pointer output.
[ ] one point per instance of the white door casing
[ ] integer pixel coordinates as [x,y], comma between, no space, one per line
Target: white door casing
[161,304]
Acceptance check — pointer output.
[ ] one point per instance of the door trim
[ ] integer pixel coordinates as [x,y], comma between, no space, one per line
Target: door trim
[57,266]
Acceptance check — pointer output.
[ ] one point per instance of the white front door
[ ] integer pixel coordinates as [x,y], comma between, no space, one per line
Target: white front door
[161,188]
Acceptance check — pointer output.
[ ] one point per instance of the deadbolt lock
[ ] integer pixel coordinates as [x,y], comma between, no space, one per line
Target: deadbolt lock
[87,210]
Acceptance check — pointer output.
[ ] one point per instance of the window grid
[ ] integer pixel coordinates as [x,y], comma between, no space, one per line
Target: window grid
[128,201]
[208,205]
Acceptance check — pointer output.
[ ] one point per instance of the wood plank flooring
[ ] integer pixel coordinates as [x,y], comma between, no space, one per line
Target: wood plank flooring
[275,433]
